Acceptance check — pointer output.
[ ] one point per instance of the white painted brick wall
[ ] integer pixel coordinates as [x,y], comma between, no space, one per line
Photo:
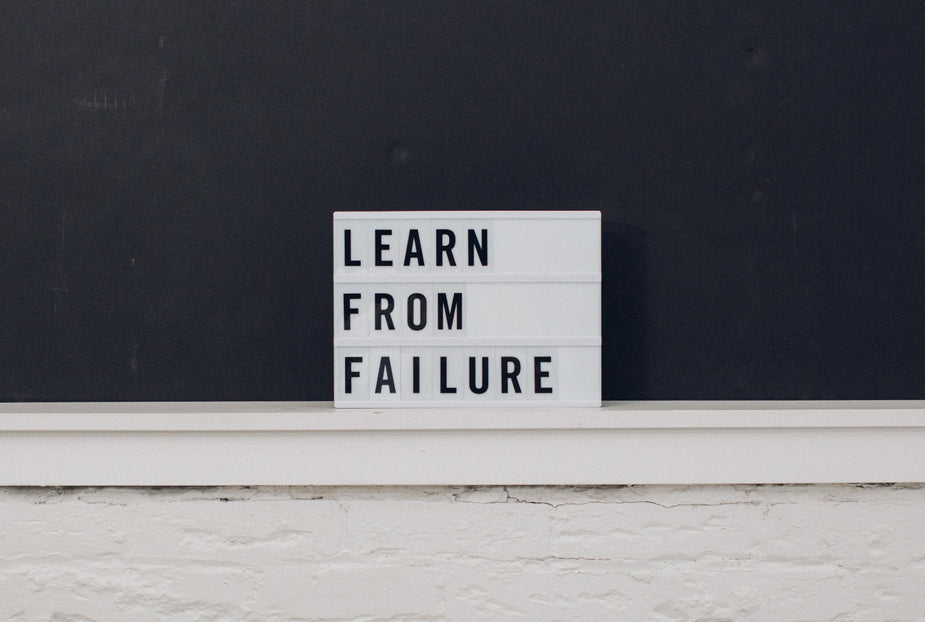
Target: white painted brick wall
[775,553]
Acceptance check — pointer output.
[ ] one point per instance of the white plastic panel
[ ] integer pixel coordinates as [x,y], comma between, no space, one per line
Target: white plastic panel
[466,310]
[434,376]
[529,242]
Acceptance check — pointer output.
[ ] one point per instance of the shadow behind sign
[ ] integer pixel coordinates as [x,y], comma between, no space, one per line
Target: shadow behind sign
[168,175]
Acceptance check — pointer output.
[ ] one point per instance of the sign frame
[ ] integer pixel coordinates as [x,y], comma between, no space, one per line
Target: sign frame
[528,284]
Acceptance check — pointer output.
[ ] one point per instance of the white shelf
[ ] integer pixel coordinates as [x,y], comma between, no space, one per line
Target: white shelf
[311,443]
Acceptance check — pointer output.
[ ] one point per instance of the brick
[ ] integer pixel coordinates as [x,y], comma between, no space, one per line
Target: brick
[436,554]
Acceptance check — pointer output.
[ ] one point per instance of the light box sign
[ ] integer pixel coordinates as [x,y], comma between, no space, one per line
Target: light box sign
[473,308]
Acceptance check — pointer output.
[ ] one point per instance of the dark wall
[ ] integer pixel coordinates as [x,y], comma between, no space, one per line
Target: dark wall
[168,173]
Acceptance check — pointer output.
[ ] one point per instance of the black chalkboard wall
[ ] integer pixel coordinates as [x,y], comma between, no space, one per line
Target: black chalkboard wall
[168,173]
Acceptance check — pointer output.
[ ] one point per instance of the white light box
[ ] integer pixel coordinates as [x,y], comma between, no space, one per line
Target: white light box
[473,308]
